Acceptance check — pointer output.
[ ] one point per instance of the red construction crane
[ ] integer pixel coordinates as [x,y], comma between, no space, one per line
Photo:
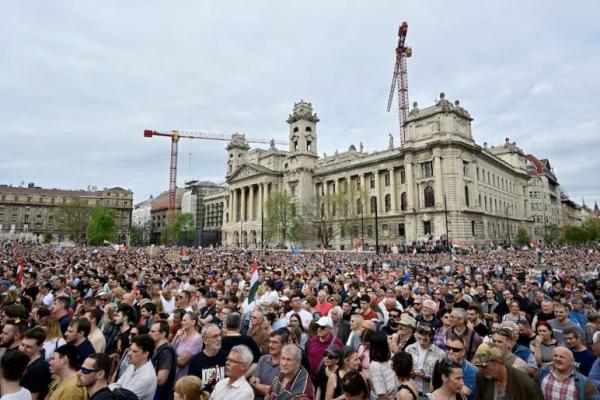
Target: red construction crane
[175,136]
[402,53]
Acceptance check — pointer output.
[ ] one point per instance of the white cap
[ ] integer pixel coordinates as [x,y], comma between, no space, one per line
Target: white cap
[325,321]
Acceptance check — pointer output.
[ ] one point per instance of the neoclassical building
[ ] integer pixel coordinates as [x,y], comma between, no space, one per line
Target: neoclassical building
[438,182]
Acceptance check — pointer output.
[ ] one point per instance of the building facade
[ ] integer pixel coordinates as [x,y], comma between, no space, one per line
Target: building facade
[439,184]
[159,207]
[205,201]
[545,200]
[141,219]
[27,213]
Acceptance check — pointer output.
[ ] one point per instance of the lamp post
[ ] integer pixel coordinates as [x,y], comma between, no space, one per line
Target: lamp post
[446,216]
[262,228]
[376,228]
[507,225]
[362,227]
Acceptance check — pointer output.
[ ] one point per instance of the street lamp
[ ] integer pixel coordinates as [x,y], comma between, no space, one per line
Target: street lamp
[362,226]
[376,227]
[507,225]
[446,216]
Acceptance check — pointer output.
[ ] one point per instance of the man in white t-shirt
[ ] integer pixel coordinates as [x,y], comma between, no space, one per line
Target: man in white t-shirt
[305,316]
[12,367]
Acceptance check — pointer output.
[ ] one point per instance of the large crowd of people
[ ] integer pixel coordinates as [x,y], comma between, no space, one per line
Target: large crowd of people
[95,323]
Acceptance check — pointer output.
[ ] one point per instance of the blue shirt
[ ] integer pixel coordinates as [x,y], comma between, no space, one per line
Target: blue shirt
[469,374]
[594,375]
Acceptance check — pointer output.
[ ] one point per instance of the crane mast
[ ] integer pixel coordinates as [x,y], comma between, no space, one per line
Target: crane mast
[175,136]
[400,71]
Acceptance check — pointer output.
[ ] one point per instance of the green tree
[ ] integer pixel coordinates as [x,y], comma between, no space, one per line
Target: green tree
[102,226]
[47,238]
[72,219]
[282,222]
[135,236]
[181,231]
[523,237]
[587,233]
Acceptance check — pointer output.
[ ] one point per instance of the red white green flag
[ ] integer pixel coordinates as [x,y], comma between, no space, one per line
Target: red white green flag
[254,283]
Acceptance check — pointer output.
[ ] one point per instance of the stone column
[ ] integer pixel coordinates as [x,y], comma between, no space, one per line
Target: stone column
[393,192]
[439,188]
[234,218]
[251,203]
[380,209]
[243,203]
[411,202]
[231,217]
[261,195]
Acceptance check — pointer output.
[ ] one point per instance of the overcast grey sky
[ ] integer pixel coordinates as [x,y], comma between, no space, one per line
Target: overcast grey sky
[81,80]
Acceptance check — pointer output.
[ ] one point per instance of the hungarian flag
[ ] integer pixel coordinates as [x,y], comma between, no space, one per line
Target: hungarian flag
[538,255]
[361,274]
[253,282]
[20,270]
[414,250]
[322,253]
[459,248]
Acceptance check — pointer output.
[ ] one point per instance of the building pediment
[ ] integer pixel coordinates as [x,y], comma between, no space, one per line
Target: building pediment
[247,170]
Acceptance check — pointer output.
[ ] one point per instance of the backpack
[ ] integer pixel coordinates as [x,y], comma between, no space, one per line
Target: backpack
[124,394]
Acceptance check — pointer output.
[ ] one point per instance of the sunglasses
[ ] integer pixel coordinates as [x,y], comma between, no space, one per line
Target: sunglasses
[454,349]
[86,371]
[331,356]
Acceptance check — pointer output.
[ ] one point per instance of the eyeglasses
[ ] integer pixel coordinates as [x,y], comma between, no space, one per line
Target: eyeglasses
[229,360]
[454,349]
[87,371]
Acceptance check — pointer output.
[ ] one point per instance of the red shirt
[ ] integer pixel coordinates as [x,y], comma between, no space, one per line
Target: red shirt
[323,308]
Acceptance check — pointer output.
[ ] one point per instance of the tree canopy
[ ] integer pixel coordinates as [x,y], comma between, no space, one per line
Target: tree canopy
[102,226]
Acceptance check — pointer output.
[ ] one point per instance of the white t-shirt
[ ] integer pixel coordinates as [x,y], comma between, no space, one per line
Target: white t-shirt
[22,394]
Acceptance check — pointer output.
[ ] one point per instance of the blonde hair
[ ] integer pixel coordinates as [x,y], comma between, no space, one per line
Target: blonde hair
[53,327]
[190,387]
[117,293]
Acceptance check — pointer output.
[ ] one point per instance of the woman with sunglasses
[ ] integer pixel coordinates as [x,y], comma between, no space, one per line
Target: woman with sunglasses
[350,363]
[439,338]
[452,382]
[327,369]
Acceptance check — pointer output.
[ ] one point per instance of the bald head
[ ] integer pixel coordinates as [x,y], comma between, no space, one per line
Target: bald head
[562,359]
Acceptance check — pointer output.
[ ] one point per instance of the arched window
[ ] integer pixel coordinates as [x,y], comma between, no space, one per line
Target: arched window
[429,198]
[403,204]
[373,204]
[308,129]
[388,202]
[296,129]
[467,196]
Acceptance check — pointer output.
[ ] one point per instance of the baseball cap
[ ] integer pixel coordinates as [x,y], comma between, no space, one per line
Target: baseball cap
[325,322]
[334,350]
[485,353]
